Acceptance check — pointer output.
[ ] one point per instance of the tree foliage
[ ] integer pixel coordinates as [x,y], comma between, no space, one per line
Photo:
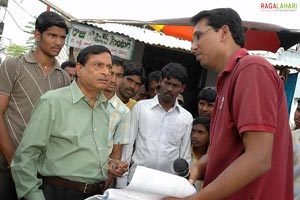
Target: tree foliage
[30,42]
[15,50]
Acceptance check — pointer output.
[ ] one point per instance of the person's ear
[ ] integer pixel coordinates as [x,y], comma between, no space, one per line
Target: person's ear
[225,32]
[37,35]
[183,88]
[78,68]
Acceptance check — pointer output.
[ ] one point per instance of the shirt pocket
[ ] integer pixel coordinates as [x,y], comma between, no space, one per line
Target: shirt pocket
[174,134]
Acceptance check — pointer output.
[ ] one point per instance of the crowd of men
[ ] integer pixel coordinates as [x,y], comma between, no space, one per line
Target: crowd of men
[73,130]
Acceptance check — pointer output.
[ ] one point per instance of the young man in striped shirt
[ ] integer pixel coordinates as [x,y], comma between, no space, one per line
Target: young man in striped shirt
[22,81]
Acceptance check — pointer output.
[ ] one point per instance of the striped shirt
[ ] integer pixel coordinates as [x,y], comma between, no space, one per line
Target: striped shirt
[24,82]
[119,121]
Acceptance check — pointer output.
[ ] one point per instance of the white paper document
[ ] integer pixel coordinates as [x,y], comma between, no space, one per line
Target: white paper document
[150,184]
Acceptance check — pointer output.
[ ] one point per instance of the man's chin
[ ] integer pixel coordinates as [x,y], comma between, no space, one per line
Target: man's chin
[203,64]
[109,90]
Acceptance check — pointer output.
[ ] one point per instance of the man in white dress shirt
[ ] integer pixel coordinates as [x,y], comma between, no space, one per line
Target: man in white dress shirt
[296,149]
[160,128]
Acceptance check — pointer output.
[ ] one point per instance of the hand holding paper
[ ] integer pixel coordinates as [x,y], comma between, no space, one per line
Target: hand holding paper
[150,184]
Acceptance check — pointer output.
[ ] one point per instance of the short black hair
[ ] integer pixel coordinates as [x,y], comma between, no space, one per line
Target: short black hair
[134,68]
[84,53]
[154,76]
[68,63]
[219,17]
[175,70]
[48,19]
[204,120]
[116,60]
[208,94]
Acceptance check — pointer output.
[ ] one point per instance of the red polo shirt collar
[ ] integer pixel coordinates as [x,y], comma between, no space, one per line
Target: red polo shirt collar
[236,56]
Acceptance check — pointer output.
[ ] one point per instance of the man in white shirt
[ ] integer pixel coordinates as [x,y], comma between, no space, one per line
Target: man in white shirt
[160,128]
[296,149]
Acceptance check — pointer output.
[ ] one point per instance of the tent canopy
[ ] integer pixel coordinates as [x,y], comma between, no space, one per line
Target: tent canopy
[259,36]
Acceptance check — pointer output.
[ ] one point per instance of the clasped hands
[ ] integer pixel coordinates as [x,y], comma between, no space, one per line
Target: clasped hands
[117,167]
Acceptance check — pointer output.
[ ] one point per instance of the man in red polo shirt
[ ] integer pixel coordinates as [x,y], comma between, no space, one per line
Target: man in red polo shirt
[250,155]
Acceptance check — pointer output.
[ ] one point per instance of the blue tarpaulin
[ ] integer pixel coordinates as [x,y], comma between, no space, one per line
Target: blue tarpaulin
[289,87]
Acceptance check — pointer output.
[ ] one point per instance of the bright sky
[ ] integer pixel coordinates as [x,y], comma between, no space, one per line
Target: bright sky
[249,10]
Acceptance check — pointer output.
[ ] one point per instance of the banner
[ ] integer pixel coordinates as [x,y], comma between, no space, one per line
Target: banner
[81,36]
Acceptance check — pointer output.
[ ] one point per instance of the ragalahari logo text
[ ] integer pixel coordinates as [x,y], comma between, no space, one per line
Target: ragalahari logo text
[284,6]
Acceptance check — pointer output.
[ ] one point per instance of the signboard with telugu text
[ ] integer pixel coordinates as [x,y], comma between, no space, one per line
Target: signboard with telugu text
[81,36]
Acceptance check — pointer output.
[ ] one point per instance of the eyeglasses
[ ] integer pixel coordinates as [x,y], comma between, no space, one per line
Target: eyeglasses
[99,65]
[198,34]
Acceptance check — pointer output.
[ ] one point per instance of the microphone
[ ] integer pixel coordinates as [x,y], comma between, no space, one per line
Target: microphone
[181,168]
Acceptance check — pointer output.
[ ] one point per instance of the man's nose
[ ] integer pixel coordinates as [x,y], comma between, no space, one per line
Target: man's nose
[107,71]
[205,107]
[113,77]
[59,41]
[193,47]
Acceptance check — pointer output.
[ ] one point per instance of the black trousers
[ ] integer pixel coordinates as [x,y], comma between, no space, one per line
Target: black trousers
[52,192]
[7,186]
